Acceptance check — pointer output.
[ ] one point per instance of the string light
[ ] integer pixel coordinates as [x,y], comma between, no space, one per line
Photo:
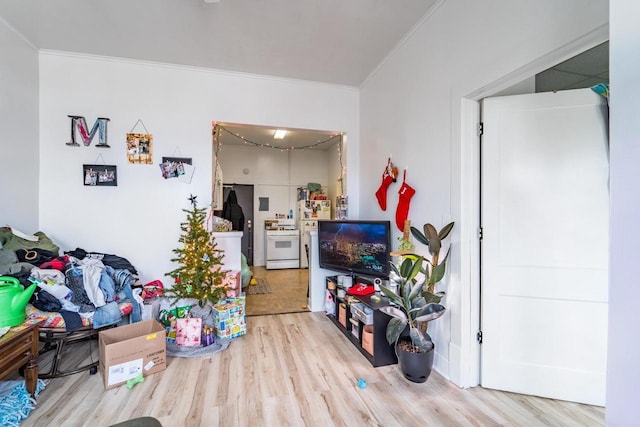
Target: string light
[342,168]
[258,144]
[216,199]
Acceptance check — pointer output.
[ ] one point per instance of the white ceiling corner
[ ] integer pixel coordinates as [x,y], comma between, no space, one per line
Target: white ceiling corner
[330,41]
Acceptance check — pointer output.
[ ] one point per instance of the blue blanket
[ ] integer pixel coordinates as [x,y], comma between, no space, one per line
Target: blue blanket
[15,402]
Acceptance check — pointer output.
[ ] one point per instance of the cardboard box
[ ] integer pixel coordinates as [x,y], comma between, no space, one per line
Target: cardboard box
[129,350]
[367,339]
[342,314]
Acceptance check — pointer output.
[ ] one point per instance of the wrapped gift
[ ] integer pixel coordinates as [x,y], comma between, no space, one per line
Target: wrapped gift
[232,281]
[188,331]
[208,335]
[184,311]
[166,317]
[171,331]
[229,317]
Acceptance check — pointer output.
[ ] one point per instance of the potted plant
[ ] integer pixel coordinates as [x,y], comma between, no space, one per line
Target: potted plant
[433,239]
[415,303]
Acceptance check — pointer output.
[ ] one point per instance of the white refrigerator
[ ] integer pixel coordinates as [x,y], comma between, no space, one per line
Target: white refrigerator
[309,212]
[313,209]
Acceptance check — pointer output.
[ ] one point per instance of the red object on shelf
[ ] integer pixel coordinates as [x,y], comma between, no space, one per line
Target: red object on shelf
[360,289]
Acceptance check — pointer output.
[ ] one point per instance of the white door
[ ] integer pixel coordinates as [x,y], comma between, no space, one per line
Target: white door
[545,204]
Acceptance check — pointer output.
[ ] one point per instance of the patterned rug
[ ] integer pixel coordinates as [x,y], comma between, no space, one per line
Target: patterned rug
[261,288]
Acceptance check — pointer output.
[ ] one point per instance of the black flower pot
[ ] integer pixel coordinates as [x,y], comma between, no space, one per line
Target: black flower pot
[415,367]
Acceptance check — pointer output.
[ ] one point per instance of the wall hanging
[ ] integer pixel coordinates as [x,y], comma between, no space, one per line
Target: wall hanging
[100,175]
[389,175]
[177,167]
[79,126]
[140,146]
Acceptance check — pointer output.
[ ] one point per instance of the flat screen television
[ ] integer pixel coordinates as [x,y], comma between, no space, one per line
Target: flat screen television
[355,247]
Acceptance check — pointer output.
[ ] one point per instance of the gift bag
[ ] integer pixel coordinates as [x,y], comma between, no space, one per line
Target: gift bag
[188,331]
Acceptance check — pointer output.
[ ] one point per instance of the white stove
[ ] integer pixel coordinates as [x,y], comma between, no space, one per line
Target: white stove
[282,244]
[279,224]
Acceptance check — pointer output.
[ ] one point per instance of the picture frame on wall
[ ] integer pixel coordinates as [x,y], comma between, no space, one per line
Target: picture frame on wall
[177,167]
[140,148]
[100,175]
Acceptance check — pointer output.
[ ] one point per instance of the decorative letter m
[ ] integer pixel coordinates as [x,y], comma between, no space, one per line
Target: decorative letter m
[79,123]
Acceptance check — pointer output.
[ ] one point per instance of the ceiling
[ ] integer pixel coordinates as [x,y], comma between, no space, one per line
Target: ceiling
[331,41]
[587,69]
[262,136]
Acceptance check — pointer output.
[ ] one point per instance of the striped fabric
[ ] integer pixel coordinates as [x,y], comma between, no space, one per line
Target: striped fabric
[52,319]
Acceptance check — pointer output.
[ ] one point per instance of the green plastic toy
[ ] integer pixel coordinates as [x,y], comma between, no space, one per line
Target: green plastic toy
[13,299]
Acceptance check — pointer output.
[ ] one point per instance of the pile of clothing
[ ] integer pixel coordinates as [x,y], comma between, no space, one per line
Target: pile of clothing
[77,284]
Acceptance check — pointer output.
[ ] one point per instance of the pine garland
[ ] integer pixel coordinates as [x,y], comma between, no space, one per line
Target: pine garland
[200,275]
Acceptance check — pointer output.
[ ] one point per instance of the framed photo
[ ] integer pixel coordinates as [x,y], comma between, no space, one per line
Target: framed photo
[176,167]
[100,175]
[140,148]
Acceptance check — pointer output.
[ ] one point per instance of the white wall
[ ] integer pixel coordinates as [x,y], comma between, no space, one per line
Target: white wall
[411,108]
[623,374]
[276,175]
[19,164]
[140,218]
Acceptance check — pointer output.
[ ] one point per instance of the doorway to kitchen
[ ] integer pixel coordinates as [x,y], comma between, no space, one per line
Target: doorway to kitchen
[277,169]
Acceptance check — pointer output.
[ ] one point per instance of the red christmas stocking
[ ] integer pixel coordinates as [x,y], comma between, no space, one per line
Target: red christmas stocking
[387,179]
[406,192]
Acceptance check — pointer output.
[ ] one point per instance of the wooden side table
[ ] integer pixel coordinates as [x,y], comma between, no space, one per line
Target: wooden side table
[18,348]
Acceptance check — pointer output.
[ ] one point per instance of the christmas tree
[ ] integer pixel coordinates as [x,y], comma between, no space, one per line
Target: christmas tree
[200,275]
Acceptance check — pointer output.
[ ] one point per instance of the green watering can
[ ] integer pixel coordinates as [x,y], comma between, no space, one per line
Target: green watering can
[13,299]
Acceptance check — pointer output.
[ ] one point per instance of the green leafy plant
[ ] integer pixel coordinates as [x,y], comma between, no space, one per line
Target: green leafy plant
[416,302]
[435,270]
[411,305]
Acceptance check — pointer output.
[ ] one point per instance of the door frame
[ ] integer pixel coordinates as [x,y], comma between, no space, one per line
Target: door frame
[470,352]
[248,235]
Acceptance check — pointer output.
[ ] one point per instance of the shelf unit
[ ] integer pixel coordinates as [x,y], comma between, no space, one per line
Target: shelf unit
[383,354]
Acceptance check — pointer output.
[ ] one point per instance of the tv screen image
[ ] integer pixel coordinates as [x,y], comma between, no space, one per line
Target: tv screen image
[356,247]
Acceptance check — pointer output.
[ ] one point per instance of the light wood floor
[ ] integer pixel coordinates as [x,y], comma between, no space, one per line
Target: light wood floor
[294,370]
[289,294]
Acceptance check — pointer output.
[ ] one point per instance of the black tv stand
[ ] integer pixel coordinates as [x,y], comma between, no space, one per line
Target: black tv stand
[367,335]
[363,280]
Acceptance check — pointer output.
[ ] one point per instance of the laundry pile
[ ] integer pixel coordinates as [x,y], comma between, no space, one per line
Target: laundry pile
[83,287]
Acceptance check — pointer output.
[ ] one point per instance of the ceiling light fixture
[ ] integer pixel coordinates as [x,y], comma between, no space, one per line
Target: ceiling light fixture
[279,134]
